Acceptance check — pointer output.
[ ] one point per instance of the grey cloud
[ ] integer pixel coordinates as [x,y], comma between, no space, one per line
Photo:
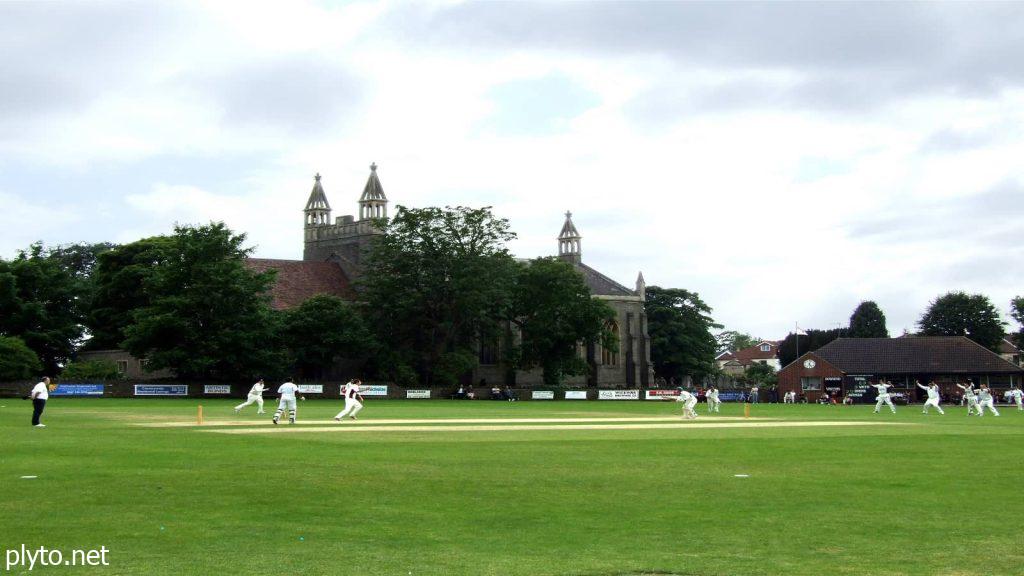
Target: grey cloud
[59,57]
[949,140]
[857,55]
[299,95]
[983,217]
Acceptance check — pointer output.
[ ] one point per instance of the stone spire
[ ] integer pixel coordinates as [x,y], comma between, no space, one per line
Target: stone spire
[373,203]
[641,286]
[318,210]
[569,240]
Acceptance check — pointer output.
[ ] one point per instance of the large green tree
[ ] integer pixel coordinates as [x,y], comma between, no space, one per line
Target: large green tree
[208,314]
[868,321]
[556,314]
[731,341]
[41,301]
[1017,313]
[121,279]
[794,345]
[438,280]
[321,331]
[679,324]
[962,314]
[17,361]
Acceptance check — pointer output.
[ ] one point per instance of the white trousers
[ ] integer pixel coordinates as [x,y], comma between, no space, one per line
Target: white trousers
[934,402]
[286,404]
[352,406]
[713,405]
[1020,403]
[987,404]
[252,399]
[884,399]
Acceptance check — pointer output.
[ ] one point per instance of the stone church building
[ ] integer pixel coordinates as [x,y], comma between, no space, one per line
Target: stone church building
[335,251]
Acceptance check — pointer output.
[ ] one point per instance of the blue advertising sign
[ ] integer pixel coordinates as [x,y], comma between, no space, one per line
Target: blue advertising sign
[161,389]
[730,396]
[78,390]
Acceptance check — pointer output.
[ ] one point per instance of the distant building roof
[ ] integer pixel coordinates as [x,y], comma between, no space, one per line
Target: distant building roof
[751,353]
[600,284]
[1006,346]
[298,280]
[918,355]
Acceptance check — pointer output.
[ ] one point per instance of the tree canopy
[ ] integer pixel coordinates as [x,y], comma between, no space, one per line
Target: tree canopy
[679,324]
[437,280]
[207,314]
[793,346]
[321,331]
[556,314]
[868,321]
[41,302]
[962,314]
[17,361]
[731,341]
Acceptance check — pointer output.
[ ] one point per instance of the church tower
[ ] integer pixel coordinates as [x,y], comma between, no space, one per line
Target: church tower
[373,203]
[318,211]
[569,241]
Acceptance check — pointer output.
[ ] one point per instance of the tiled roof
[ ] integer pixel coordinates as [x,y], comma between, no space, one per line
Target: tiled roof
[600,284]
[1006,346]
[752,353]
[919,355]
[299,280]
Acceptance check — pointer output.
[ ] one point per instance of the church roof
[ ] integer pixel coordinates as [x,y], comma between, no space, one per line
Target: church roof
[601,285]
[299,280]
[373,189]
[317,198]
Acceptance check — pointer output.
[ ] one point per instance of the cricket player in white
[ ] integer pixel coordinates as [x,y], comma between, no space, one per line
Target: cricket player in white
[287,402]
[713,402]
[985,401]
[1018,397]
[933,396]
[969,397]
[689,401]
[883,396]
[353,400]
[789,398]
[255,397]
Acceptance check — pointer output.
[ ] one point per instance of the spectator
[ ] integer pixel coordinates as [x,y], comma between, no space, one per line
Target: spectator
[495,393]
[509,394]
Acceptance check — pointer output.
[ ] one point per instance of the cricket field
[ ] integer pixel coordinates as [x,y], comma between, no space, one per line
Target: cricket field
[435,487]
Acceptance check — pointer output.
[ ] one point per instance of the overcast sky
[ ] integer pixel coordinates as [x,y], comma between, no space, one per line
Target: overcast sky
[784,160]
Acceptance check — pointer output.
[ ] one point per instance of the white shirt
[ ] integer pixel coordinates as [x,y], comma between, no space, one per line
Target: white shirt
[257,389]
[713,394]
[351,390]
[984,394]
[287,391]
[933,391]
[1017,394]
[883,389]
[684,396]
[40,392]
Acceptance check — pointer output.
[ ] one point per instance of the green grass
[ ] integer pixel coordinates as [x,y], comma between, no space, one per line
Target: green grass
[940,496]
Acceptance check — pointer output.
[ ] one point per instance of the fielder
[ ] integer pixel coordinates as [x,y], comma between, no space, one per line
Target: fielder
[985,401]
[969,397]
[287,402]
[689,401]
[1018,397]
[713,402]
[353,400]
[789,398]
[883,396]
[255,396]
[933,396]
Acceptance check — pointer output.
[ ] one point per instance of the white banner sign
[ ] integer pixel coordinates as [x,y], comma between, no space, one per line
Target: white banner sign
[311,388]
[216,389]
[417,393]
[618,394]
[543,395]
[661,394]
[375,390]
[575,394]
